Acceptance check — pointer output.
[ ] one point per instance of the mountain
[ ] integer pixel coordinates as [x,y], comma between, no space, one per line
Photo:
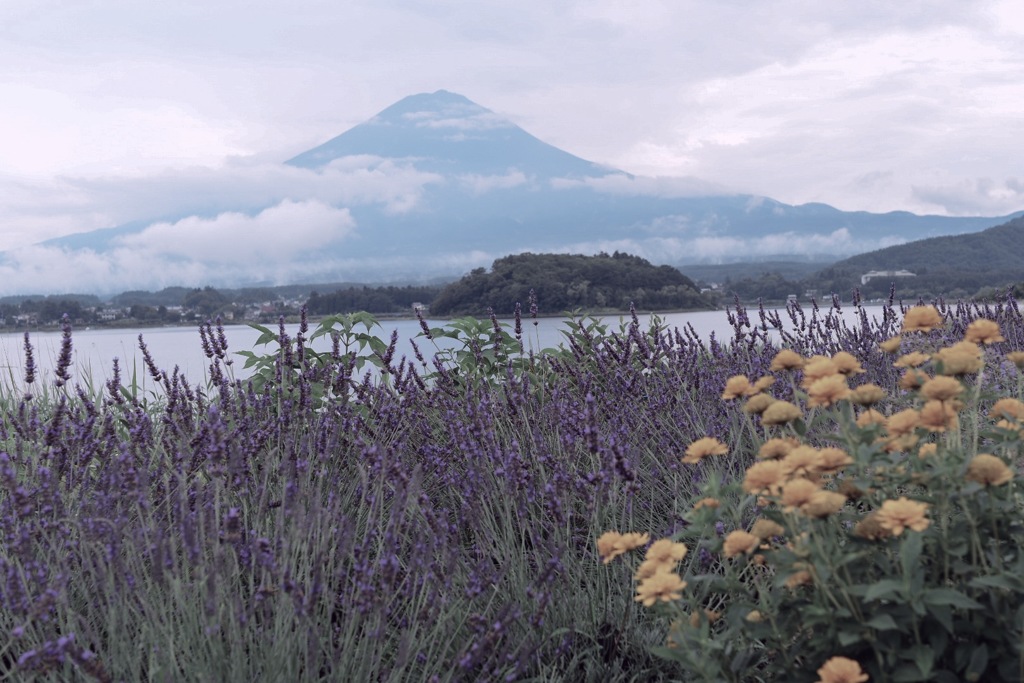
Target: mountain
[437,185]
[446,133]
[955,265]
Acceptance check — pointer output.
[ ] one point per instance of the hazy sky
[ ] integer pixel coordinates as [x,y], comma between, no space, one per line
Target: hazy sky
[112,108]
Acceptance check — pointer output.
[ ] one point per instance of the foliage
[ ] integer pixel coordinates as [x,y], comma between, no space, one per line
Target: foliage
[890,545]
[388,299]
[566,282]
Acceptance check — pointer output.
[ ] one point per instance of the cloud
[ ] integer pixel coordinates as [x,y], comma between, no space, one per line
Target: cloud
[710,249]
[664,187]
[479,184]
[280,233]
[37,210]
[974,196]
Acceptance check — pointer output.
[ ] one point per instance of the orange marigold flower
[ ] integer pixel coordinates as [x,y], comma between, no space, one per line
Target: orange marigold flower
[798,492]
[802,461]
[666,550]
[766,528]
[897,515]
[866,395]
[706,503]
[818,368]
[891,345]
[937,416]
[776,448]
[841,670]
[1017,358]
[847,363]
[927,450]
[764,477]
[962,358]
[702,448]
[912,379]
[1007,408]
[823,504]
[989,470]
[901,443]
[761,384]
[662,586]
[832,460]
[736,386]
[827,391]
[983,331]
[1010,426]
[757,404]
[922,319]
[787,360]
[913,359]
[903,422]
[779,413]
[754,616]
[941,388]
[740,542]
[611,544]
[870,417]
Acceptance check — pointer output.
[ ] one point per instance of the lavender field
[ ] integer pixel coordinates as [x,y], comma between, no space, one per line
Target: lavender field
[435,520]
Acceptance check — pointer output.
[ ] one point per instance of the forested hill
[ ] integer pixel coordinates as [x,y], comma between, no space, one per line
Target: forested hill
[956,265]
[565,282]
[998,248]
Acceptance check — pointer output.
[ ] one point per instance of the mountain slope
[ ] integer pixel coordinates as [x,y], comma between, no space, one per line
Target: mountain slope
[997,248]
[447,133]
[954,266]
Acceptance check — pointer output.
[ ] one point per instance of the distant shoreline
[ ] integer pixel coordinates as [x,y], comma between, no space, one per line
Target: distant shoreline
[292,319]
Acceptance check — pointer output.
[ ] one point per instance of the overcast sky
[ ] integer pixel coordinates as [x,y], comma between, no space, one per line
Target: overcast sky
[108,108]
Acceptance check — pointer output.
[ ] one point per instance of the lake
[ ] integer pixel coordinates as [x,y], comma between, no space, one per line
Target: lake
[94,349]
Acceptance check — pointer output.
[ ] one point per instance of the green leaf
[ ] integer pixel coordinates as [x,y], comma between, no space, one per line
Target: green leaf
[886,588]
[944,615]
[924,657]
[978,663]
[847,638]
[882,622]
[948,596]
[907,673]
[1004,581]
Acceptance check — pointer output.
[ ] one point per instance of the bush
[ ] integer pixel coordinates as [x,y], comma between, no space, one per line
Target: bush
[857,544]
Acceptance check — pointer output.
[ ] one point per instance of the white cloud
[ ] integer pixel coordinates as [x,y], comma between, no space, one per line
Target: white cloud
[974,196]
[665,187]
[38,209]
[707,248]
[479,184]
[280,233]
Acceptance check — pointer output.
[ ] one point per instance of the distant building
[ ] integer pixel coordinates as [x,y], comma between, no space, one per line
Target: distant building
[866,277]
[421,308]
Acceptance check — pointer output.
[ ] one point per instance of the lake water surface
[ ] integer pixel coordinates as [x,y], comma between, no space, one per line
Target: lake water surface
[95,349]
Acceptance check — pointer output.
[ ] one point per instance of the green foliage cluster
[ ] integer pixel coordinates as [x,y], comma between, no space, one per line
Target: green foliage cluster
[570,281]
[388,299]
